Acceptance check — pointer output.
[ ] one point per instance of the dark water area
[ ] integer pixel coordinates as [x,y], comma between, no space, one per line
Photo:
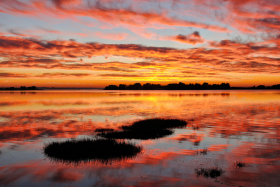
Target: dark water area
[231,138]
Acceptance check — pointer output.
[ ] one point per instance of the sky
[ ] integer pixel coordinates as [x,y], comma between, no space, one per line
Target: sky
[94,43]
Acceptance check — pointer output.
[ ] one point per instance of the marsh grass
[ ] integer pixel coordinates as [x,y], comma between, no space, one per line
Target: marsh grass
[156,123]
[140,134]
[209,172]
[104,130]
[202,151]
[239,164]
[105,151]
[146,129]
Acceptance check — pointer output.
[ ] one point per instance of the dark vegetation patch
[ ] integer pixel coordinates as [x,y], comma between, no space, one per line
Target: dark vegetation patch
[196,128]
[209,172]
[202,151]
[140,134]
[86,150]
[146,129]
[156,123]
[104,130]
[239,164]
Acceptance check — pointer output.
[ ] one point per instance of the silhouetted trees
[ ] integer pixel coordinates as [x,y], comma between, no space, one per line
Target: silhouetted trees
[21,88]
[261,87]
[112,87]
[28,88]
[276,86]
[182,86]
[172,86]
[122,86]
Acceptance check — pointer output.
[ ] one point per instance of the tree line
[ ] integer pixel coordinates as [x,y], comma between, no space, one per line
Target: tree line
[182,86]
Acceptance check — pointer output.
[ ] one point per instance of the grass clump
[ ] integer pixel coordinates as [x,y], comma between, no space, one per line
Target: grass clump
[239,164]
[202,151]
[209,172]
[146,129]
[86,150]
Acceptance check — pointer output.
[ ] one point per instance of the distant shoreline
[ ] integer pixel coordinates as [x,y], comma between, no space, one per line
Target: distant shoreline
[58,89]
[148,86]
[44,88]
[242,88]
[17,89]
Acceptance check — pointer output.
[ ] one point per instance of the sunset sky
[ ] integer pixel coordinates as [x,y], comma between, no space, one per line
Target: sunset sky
[94,43]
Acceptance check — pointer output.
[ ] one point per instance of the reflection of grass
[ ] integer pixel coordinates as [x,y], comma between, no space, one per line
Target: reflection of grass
[239,164]
[140,134]
[104,130]
[84,150]
[209,172]
[146,129]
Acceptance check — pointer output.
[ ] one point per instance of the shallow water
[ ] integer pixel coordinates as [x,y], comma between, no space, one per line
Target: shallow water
[224,127]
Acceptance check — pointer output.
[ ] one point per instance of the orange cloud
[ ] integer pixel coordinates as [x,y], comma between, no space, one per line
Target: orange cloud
[57,75]
[44,75]
[12,103]
[13,75]
[220,61]
[193,38]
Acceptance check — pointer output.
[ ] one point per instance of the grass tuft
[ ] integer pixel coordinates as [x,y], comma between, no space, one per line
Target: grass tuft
[209,172]
[86,150]
[202,151]
[239,164]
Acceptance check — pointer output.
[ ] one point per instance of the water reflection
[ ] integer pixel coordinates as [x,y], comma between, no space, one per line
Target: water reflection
[224,129]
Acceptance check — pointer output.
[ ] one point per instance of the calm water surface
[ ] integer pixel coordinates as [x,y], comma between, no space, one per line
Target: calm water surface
[224,127]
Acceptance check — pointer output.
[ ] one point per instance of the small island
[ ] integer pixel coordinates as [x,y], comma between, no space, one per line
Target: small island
[182,86]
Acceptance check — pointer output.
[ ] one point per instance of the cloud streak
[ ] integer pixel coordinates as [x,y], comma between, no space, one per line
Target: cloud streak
[264,16]
[124,13]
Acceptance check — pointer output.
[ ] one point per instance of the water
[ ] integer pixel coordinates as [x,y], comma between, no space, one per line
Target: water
[224,128]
